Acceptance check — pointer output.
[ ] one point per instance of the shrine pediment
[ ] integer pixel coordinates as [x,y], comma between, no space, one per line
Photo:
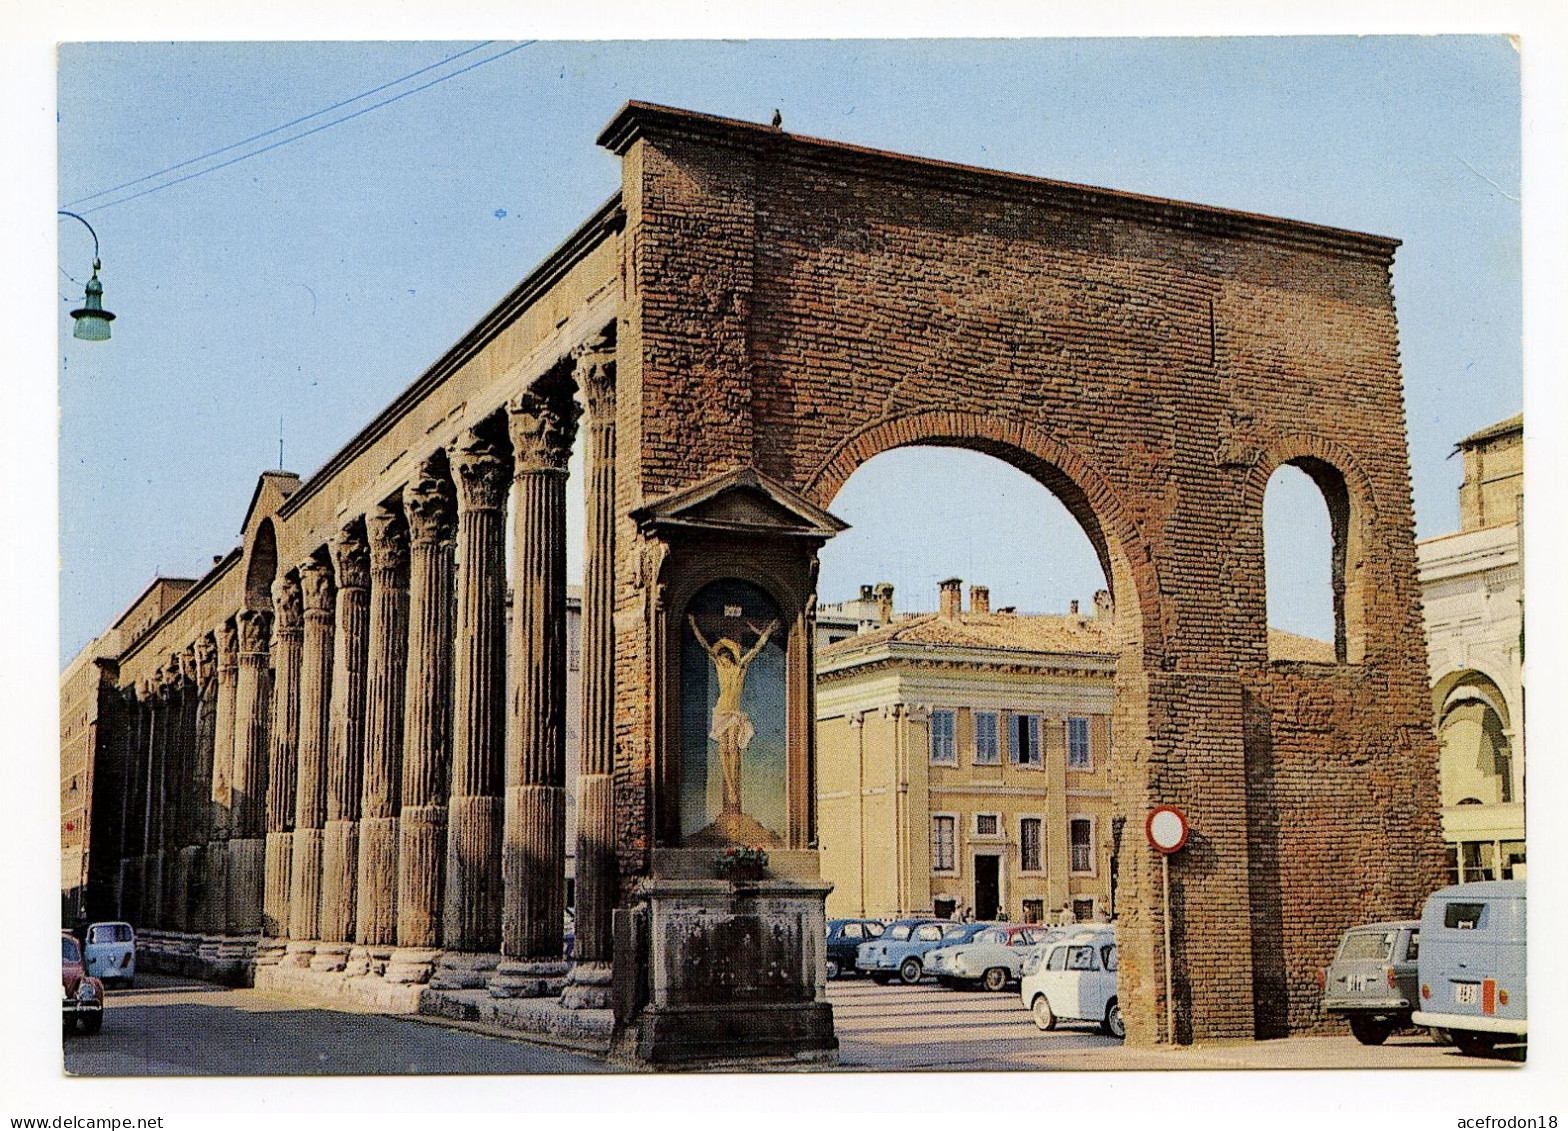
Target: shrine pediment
[273,489]
[742,501]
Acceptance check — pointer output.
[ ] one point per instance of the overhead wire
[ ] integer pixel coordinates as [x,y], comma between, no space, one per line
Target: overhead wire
[284,126]
[307,133]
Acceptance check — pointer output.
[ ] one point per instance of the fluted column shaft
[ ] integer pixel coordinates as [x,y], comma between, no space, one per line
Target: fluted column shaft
[427,701]
[310,793]
[252,710]
[597,870]
[380,797]
[283,761]
[472,914]
[169,796]
[346,752]
[201,785]
[157,796]
[215,920]
[543,425]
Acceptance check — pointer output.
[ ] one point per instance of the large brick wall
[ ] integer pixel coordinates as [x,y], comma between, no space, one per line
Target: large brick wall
[800,307]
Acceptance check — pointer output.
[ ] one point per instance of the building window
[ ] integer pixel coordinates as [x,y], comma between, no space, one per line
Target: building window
[944,854]
[987,824]
[1078,744]
[1023,734]
[1029,845]
[988,747]
[944,740]
[1083,910]
[1080,838]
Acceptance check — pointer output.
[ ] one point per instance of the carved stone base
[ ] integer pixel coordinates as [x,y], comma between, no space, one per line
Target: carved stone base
[411,965]
[358,963]
[528,978]
[330,957]
[299,953]
[463,970]
[588,986]
[270,951]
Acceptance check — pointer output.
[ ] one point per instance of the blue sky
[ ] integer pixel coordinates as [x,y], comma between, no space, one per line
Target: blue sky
[308,285]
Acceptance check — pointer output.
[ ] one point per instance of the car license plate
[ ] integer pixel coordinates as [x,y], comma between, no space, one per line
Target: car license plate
[1464,993]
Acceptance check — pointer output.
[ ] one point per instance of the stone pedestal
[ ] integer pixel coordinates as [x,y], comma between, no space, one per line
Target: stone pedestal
[514,978]
[588,986]
[330,957]
[729,971]
[299,953]
[411,965]
[359,962]
[463,970]
[270,950]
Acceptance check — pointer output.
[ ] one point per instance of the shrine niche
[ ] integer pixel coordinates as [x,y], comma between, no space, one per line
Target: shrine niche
[733,761]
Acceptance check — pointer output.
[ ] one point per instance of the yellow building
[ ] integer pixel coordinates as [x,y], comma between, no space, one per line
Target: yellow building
[962,764]
[1472,595]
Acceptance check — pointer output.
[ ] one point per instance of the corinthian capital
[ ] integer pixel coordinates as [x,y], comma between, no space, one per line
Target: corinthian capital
[594,369]
[255,627]
[351,555]
[190,671]
[228,645]
[315,584]
[480,474]
[388,541]
[288,603]
[429,504]
[543,423]
[206,661]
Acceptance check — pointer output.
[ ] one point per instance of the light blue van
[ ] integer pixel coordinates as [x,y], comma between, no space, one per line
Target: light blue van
[1472,964]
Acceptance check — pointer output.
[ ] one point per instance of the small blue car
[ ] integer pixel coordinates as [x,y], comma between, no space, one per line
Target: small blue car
[901,950]
[1472,964]
[844,939]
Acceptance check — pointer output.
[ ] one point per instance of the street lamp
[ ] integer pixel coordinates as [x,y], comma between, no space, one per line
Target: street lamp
[92,320]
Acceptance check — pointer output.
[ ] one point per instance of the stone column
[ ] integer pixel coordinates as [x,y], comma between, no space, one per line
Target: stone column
[282,770]
[427,750]
[543,423]
[169,818]
[247,814]
[201,786]
[597,869]
[310,792]
[217,861]
[376,922]
[157,782]
[346,751]
[191,831]
[472,914]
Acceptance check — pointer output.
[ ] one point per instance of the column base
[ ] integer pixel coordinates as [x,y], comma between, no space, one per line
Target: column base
[270,951]
[330,957]
[528,978]
[409,965]
[298,953]
[587,986]
[463,970]
[358,963]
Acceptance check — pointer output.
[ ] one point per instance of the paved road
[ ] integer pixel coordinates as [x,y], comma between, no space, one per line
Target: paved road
[926,1027]
[177,1027]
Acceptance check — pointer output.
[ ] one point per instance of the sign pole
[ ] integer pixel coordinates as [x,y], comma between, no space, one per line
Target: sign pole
[1170,1005]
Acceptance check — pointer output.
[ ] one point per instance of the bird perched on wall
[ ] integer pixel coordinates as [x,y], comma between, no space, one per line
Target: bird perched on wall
[778,120]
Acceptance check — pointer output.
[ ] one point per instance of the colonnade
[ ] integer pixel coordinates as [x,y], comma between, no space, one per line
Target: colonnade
[335,776]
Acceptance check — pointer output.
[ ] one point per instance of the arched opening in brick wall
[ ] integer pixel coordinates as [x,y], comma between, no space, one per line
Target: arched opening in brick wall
[980,763]
[1310,561]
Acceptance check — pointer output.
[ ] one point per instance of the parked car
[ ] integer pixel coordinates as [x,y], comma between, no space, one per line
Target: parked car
[1076,981]
[110,953]
[1372,980]
[900,951]
[844,939]
[81,995]
[991,958]
[1472,964]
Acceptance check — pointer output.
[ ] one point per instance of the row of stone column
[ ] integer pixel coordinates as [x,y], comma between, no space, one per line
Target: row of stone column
[335,770]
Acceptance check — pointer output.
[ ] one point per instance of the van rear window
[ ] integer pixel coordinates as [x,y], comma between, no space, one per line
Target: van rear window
[1464,916]
[1372,946]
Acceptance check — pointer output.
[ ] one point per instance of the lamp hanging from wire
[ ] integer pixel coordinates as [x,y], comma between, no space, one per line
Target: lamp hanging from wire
[92,320]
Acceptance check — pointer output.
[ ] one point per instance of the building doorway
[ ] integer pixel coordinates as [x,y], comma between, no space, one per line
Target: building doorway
[988,886]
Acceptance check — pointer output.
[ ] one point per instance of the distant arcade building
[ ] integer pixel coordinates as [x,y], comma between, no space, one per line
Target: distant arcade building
[335,756]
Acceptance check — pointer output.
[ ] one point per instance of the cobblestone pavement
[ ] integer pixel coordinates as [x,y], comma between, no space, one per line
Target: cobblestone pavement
[178,1027]
[927,1027]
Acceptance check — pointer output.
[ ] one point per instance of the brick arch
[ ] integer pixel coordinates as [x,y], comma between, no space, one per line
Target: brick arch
[1352,507]
[1080,487]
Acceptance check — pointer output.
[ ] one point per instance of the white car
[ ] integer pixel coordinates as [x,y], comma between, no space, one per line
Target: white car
[1074,979]
[110,953]
[991,959]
